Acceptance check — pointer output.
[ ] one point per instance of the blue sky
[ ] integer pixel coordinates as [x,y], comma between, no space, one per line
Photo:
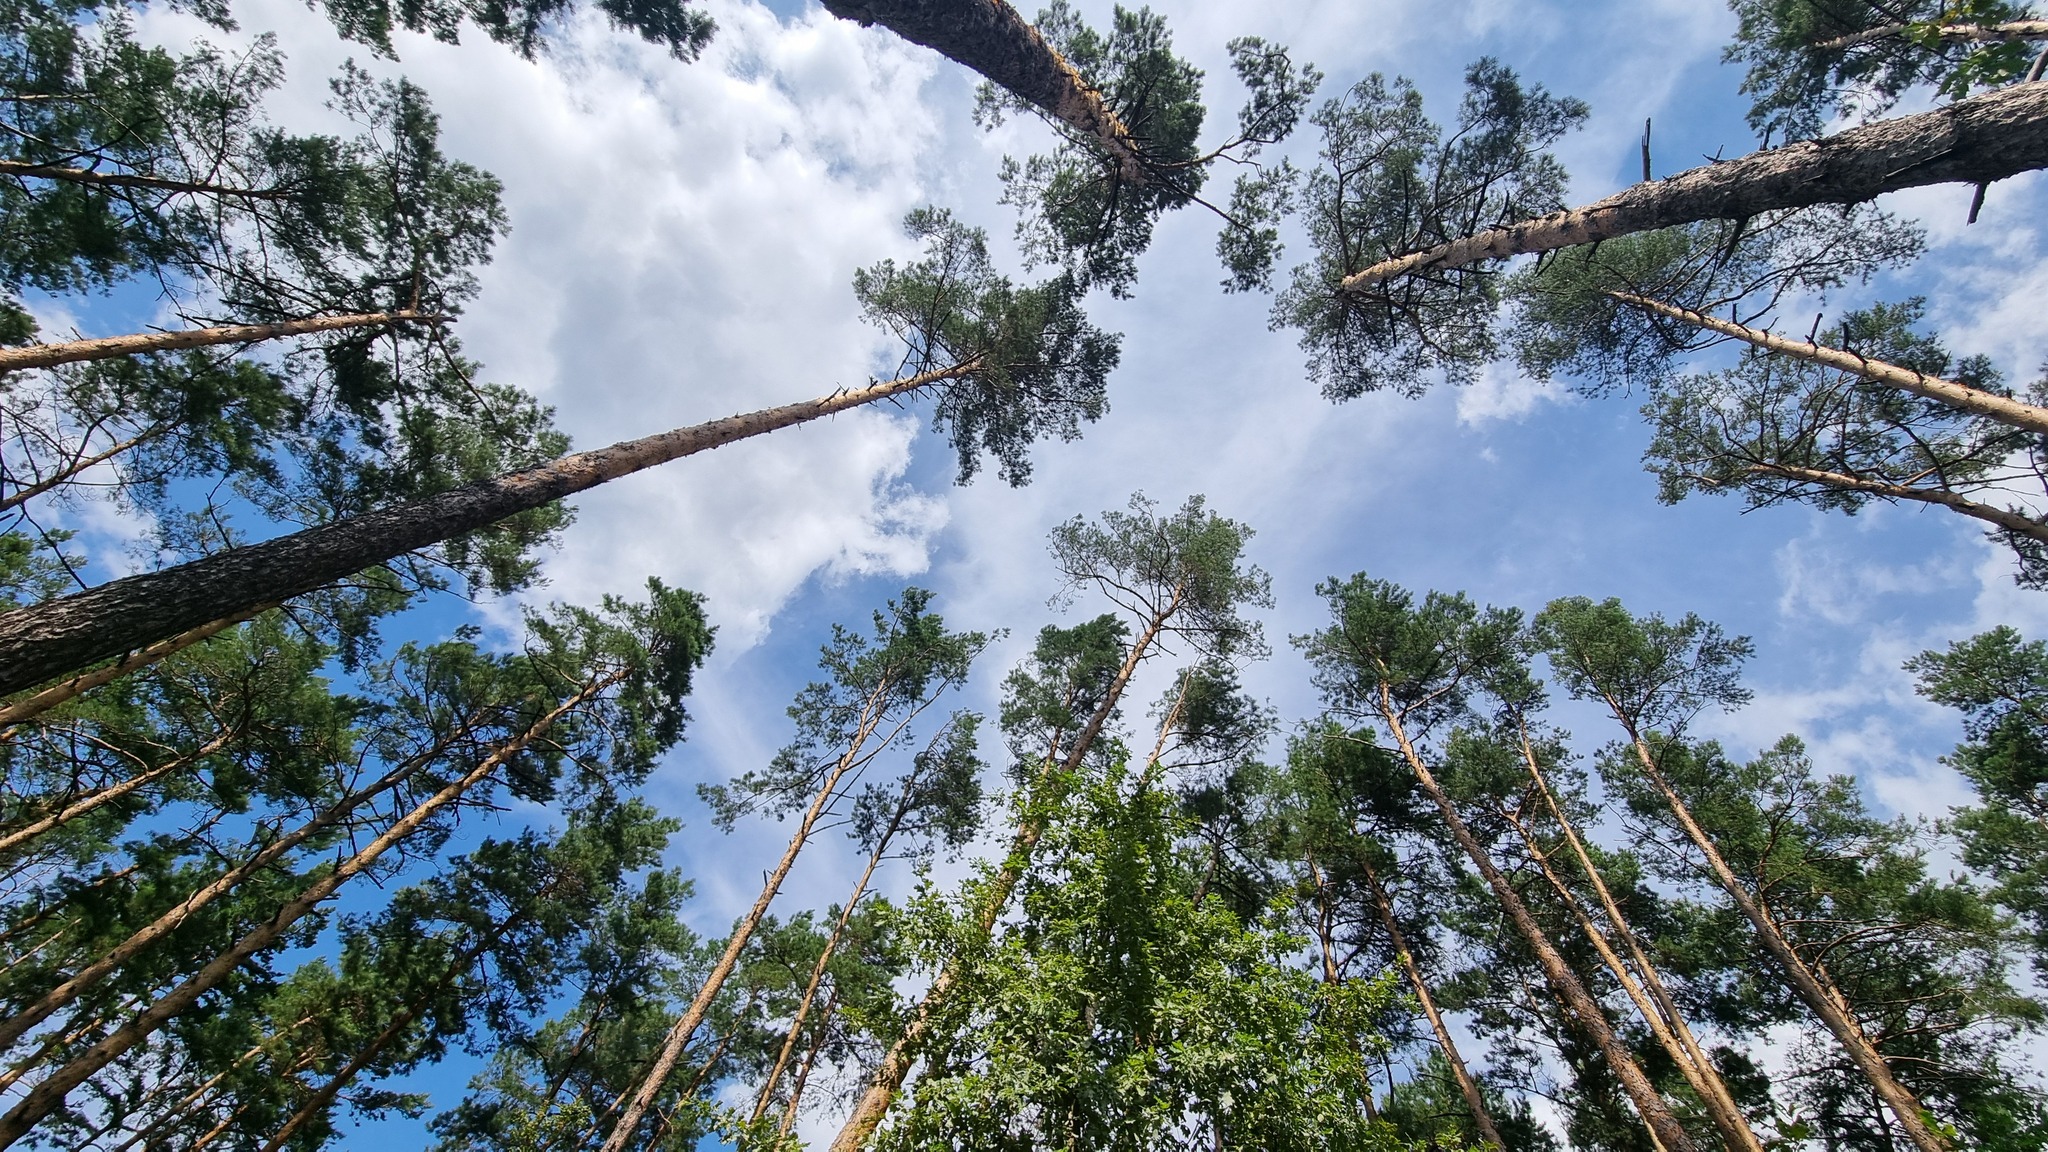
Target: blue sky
[683,237]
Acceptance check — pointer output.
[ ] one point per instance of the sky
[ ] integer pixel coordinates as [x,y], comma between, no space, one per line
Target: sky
[683,237]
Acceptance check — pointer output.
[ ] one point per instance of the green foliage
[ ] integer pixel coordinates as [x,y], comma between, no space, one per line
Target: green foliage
[1391,182]
[1077,207]
[523,25]
[1031,364]
[1797,82]
[1182,574]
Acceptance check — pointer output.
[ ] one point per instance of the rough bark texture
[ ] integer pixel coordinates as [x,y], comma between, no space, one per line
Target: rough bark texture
[1991,405]
[1579,1004]
[135,344]
[1978,140]
[63,635]
[48,1096]
[1825,1001]
[1467,1087]
[991,38]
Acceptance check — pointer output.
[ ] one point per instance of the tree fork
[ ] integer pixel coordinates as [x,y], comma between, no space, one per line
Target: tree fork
[1973,141]
[58,636]
[138,343]
[991,38]
[1977,401]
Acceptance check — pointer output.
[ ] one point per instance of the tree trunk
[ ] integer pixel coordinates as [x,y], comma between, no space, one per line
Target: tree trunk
[1983,138]
[803,1070]
[2005,518]
[1825,1002]
[49,1095]
[1656,1115]
[1977,401]
[59,636]
[85,682]
[109,347]
[1467,1087]
[1967,33]
[887,1078]
[99,798]
[110,961]
[70,175]
[1652,980]
[622,1133]
[80,463]
[990,37]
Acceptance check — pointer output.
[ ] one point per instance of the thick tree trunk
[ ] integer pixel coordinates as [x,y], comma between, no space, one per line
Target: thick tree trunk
[62,635]
[1967,33]
[1825,1001]
[111,960]
[1656,1115]
[49,1095]
[1990,405]
[991,38]
[1652,980]
[887,1079]
[1983,138]
[109,347]
[70,175]
[84,682]
[1467,1086]
[623,1133]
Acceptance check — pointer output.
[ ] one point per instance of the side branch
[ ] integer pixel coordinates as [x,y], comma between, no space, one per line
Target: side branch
[108,347]
[2002,517]
[1974,141]
[2003,409]
[124,180]
[1977,33]
[991,38]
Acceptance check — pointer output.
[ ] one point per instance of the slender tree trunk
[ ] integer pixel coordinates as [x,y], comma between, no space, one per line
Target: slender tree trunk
[2014,522]
[49,1095]
[1467,1086]
[991,38]
[803,1070]
[803,1006]
[623,1133]
[1653,981]
[1656,1115]
[1981,139]
[1967,33]
[1729,1122]
[59,636]
[80,463]
[143,657]
[1825,1001]
[71,175]
[109,347]
[887,1078]
[1977,401]
[1323,927]
[101,797]
[111,961]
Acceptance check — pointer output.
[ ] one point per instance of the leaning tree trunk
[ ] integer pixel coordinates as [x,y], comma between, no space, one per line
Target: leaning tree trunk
[622,1134]
[1981,139]
[1467,1086]
[991,38]
[48,1096]
[1656,1114]
[1962,33]
[77,806]
[887,1078]
[84,682]
[1976,401]
[109,347]
[63,635]
[1825,1001]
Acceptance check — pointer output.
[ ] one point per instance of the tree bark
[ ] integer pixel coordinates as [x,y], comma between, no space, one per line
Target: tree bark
[1969,33]
[1655,1114]
[1467,1086]
[49,1095]
[71,175]
[991,38]
[803,1070]
[1826,1002]
[109,347]
[85,682]
[59,636]
[65,813]
[623,1132]
[1981,139]
[1977,401]
[2001,517]
[887,1079]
